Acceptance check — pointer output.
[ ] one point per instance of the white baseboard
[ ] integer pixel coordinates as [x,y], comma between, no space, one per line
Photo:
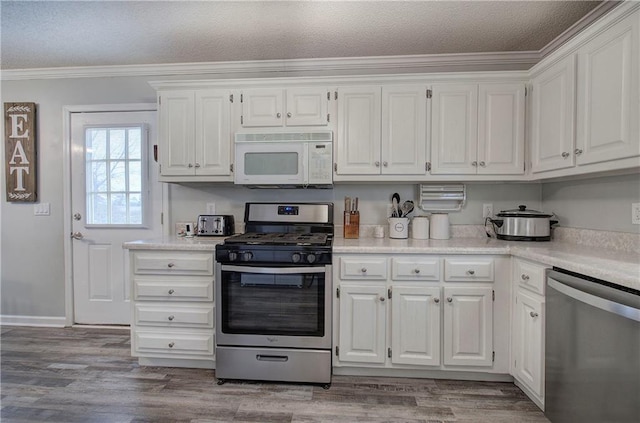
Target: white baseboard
[44,321]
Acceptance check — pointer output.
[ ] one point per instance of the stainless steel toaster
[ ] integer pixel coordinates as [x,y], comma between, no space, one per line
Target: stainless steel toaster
[215,225]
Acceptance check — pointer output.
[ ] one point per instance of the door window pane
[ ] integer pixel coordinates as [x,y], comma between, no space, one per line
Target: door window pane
[114,180]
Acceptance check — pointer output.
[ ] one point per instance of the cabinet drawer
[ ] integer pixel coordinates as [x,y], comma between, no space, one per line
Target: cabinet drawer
[468,269]
[363,268]
[174,316]
[529,275]
[174,263]
[169,288]
[424,269]
[174,343]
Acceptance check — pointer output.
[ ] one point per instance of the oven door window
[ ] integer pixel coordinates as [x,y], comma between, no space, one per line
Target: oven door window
[273,301]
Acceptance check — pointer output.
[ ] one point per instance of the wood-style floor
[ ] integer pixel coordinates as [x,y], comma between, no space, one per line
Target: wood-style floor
[88,375]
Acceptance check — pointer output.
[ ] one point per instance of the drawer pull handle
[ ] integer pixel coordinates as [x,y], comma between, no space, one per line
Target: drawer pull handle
[171,318]
[449,299]
[363,270]
[171,344]
[533,314]
[471,272]
[171,291]
[436,300]
[278,358]
[524,277]
[416,271]
[170,265]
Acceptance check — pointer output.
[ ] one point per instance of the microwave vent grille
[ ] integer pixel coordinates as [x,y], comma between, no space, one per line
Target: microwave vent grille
[321,136]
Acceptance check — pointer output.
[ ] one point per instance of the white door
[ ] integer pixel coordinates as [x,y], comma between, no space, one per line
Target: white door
[262,107]
[307,107]
[213,137]
[177,153]
[115,198]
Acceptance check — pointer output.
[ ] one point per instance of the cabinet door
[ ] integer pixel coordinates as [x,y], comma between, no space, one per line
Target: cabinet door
[528,342]
[553,117]
[415,325]
[454,129]
[213,132]
[468,326]
[177,155]
[363,316]
[404,130]
[608,95]
[307,107]
[501,129]
[358,140]
[262,107]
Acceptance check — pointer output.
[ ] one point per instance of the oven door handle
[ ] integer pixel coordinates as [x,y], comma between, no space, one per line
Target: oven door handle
[272,270]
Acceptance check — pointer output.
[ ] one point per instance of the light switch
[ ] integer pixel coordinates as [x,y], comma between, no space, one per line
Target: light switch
[42,209]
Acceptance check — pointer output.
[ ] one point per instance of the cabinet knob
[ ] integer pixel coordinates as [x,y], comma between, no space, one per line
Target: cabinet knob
[382,299]
[482,164]
[533,314]
[436,300]
[416,271]
[449,299]
[578,151]
[289,114]
[170,265]
[171,291]
[197,164]
[524,277]
[279,115]
[565,155]
[471,272]
[189,165]
[171,344]
[363,270]
[377,164]
[474,163]
[385,164]
[171,318]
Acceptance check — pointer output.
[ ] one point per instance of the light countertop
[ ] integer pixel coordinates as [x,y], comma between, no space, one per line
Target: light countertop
[622,268]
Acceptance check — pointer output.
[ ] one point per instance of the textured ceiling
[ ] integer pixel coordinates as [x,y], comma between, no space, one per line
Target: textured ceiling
[42,34]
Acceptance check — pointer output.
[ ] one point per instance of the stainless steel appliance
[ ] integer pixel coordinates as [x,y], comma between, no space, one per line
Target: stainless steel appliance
[592,357]
[523,224]
[273,295]
[215,225]
[284,160]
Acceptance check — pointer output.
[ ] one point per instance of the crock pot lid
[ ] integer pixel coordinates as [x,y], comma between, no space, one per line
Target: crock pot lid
[522,211]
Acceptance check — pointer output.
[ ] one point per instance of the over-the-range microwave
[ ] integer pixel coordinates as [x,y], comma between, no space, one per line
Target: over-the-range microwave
[284,159]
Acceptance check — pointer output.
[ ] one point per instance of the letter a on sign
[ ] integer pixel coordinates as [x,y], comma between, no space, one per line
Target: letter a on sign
[20,151]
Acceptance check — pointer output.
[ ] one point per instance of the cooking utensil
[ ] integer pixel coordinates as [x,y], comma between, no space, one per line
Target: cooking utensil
[407,207]
[523,224]
[395,200]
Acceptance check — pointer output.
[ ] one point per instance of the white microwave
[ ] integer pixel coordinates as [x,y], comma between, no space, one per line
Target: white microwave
[285,160]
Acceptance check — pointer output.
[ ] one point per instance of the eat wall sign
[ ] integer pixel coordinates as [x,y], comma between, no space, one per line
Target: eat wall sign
[20,151]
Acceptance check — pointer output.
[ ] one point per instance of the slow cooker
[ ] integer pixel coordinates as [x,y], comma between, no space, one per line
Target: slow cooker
[522,224]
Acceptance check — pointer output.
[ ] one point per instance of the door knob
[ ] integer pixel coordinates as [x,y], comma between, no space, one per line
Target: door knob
[436,300]
[288,114]
[77,235]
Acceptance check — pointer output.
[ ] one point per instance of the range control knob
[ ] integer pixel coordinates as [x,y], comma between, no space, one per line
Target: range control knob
[296,257]
[247,256]
[233,256]
[311,258]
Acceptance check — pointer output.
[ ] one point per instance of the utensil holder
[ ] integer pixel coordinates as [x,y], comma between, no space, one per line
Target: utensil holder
[351,225]
[399,227]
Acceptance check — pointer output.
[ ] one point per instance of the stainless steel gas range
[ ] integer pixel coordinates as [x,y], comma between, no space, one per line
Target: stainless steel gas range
[273,295]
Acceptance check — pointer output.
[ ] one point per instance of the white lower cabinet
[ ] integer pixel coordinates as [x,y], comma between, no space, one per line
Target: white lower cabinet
[173,309]
[407,314]
[527,341]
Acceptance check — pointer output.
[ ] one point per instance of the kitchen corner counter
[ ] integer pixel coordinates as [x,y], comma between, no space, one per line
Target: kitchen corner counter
[175,243]
[619,267]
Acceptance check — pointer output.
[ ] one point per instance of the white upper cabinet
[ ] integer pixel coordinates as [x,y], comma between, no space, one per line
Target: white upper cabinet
[382,130]
[195,133]
[477,129]
[609,95]
[275,107]
[552,117]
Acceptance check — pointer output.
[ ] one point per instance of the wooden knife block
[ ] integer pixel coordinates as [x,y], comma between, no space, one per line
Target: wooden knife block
[351,225]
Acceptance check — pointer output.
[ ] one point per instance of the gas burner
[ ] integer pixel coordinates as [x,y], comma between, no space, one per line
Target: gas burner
[259,238]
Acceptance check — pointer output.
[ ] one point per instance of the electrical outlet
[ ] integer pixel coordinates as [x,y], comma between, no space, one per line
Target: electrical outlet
[42,209]
[635,213]
[487,210]
[211,208]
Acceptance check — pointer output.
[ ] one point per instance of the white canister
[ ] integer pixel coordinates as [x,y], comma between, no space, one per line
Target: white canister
[440,226]
[398,227]
[420,227]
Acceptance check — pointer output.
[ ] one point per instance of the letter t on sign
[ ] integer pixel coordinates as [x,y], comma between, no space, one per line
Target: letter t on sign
[20,151]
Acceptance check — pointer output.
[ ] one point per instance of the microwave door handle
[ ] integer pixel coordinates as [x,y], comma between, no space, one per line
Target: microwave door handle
[272,270]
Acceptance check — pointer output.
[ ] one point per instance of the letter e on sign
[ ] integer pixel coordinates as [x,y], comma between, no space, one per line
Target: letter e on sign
[20,151]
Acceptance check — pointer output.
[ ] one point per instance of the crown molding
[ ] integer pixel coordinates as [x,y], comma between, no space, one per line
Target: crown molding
[298,67]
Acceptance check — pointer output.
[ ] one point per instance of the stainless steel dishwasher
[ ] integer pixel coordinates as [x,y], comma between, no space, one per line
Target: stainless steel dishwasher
[592,354]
